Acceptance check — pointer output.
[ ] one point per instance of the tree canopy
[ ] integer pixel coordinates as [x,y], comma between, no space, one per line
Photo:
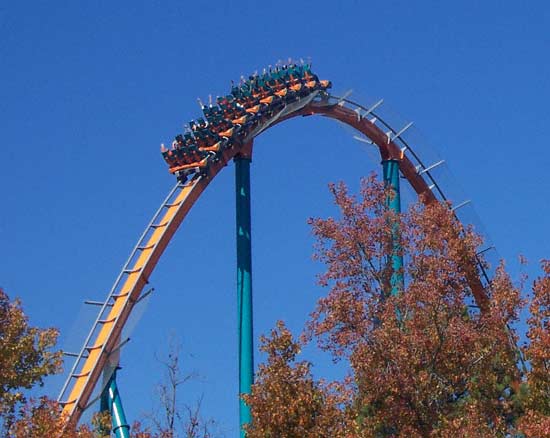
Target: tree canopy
[26,357]
[425,362]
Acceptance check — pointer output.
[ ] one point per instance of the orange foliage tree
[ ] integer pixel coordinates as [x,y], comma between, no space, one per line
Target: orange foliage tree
[43,418]
[424,362]
[536,421]
[26,357]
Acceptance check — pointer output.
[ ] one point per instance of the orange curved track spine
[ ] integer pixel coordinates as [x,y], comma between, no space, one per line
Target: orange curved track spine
[85,379]
[111,329]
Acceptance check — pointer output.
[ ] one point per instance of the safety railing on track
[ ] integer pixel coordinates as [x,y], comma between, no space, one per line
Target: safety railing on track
[398,136]
[105,306]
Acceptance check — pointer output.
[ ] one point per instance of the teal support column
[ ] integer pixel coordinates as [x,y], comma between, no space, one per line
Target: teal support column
[244,284]
[111,402]
[391,179]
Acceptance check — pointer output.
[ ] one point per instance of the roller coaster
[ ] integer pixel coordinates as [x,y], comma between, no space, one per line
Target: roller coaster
[226,132]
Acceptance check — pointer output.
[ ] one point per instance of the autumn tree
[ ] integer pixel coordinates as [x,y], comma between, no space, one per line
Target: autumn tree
[287,401]
[42,418]
[425,362]
[26,357]
[536,421]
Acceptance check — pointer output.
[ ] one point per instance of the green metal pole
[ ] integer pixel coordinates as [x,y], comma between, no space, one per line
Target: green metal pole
[111,402]
[244,285]
[391,179]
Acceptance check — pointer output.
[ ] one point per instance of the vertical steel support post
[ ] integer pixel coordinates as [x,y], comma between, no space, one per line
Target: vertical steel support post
[111,402]
[244,283]
[391,179]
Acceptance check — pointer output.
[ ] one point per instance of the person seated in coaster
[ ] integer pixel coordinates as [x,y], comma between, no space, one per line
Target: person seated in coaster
[211,111]
[205,138]
[168,155]
[179,142]
[188,139]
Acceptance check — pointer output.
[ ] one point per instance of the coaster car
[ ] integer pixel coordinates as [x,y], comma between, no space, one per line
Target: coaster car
[241,120]
[205,138]
[282,92]
[254,109]
[216,147]
[186,158]
[168,156]
[219,123]
[196,165]
[182,141]
[228,133]
[211,111]
[251,103]
[195,125]
[189,155]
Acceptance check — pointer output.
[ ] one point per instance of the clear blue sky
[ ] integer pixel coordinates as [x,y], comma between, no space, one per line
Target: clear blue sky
[90,89]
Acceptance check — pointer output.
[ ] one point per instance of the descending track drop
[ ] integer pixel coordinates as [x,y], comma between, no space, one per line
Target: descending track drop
[196,158]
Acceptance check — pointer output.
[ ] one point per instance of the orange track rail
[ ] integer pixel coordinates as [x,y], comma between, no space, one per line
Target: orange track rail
[82,383]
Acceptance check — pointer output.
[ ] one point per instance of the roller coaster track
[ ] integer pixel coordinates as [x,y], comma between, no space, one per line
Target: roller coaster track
[104,339]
